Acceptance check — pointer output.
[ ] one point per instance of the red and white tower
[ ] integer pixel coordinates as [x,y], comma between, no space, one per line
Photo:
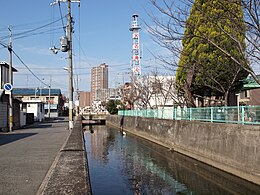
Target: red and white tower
[135,66]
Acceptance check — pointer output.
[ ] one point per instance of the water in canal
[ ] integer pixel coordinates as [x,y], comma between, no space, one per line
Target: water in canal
[121,165]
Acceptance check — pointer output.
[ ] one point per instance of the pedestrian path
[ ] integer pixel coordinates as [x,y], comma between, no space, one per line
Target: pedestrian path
[27,154]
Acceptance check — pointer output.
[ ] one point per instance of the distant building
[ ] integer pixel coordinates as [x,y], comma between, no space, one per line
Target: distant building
[52,96]
[163,92]
[250,92]
[151,92]
[35,107]
[99,83]
[84,99]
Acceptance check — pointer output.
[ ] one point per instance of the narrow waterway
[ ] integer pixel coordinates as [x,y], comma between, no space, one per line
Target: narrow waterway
[130,165]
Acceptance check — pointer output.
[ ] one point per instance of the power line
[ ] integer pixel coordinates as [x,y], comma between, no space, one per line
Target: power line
[42,32]
[50,68]
[29,69]
[64,28]
[6,46]
[32,30]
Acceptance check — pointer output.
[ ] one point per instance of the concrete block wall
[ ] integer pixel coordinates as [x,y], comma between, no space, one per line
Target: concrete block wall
[231,148]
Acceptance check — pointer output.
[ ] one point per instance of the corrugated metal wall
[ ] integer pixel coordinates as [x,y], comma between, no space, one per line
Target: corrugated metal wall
[3,115]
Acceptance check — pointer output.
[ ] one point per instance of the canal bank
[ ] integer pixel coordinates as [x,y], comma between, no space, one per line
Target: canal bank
[132,165]
[69,172]
[231,148]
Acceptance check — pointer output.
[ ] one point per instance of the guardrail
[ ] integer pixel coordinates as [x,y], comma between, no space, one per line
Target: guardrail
[232,114]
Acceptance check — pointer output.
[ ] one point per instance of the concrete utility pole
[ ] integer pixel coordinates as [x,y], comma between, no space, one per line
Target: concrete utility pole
[77,96]
[69,49]
[10,81]
[69,31]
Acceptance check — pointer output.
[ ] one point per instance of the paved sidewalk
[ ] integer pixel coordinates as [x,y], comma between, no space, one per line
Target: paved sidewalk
[27,154]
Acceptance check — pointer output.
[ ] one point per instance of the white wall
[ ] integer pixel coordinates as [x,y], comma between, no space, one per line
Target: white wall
[36,110]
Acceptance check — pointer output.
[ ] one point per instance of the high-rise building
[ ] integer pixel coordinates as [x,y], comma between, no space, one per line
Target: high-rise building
[99,82]
[84,99]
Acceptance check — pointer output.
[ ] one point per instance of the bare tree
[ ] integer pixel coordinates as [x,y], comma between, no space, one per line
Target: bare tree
[154,91]
[169,31]
[143,92]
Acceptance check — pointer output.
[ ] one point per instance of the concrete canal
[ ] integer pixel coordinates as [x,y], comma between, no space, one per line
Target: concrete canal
[131,165]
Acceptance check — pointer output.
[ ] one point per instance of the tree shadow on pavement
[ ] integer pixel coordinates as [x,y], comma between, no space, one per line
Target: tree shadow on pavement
[8,138]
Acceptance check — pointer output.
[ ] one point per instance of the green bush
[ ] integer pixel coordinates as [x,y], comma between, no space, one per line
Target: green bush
[113,106]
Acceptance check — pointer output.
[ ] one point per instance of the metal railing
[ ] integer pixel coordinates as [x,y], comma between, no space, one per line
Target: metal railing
[232,114]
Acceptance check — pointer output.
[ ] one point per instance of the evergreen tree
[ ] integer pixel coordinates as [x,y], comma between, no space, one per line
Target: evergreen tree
[203,69]
[112,106]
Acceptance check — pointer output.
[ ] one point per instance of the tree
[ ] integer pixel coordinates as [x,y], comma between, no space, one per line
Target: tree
[154,91]
[112,106]
[170,31]
[213,73]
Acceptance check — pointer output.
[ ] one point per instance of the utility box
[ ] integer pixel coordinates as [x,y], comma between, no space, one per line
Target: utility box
[22,118]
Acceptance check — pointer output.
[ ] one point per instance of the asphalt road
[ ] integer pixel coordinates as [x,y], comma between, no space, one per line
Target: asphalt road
[27,154]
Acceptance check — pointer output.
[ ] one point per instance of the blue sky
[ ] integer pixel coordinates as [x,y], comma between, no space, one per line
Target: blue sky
[101,27]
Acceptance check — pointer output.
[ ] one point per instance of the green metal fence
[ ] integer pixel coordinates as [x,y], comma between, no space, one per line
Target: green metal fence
[238,115]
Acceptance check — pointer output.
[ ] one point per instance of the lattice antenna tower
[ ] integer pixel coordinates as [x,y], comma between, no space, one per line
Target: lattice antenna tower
[136,55]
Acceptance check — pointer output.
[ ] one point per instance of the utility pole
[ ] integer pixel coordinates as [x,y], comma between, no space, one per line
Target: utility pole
[10,81]
[69,31]
[77,96]
[69,49]
[49,102]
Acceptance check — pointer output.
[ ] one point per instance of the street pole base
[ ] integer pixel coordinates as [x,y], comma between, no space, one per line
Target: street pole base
[70,125]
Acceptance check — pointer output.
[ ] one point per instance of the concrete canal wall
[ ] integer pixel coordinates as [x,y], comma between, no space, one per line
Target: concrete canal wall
[232,148]
[69,173]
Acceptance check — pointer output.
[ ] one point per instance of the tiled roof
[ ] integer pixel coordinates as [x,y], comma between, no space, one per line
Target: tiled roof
[38,91]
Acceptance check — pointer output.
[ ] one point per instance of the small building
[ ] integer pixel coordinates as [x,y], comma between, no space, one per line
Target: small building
[18,116]
[36,107]
[250,93]
[4,98]
[52,99]
[51,110]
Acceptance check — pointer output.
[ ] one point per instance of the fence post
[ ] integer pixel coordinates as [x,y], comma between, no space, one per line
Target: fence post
[175,113]
[211,115]
[190,114]
[243,114]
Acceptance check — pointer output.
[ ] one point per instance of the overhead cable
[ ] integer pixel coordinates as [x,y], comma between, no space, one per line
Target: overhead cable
[29,69]
[32,30]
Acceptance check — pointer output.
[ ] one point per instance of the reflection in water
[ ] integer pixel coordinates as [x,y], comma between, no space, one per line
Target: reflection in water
[129,165]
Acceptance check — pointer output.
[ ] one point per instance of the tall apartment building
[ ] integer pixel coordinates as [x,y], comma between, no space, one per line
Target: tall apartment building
[84,99]
[99,82]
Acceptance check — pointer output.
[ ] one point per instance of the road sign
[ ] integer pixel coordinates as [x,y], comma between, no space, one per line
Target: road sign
[8,87]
